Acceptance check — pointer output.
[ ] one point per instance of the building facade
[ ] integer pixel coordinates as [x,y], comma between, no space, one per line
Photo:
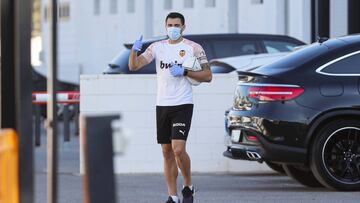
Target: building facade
[92,32]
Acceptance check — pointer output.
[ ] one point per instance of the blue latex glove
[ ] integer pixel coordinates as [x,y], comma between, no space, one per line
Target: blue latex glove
[137,46]
[176,70]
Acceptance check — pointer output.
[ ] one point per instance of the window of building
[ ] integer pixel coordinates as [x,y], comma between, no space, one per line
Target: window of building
[257,1]
[46,13]
[64,11]
[210,3]
[188,3]
[97,7]
[168,4]
[113,6]
[131,6]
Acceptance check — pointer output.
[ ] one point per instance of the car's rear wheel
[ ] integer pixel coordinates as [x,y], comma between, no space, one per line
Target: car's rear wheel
[276,167]
[302,174]
[335,155]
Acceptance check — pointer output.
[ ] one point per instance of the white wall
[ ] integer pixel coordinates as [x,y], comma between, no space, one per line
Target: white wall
[134,97]
[198,20]
[338,18]
[299,20]
[261,18]
[68,57]
[88,42]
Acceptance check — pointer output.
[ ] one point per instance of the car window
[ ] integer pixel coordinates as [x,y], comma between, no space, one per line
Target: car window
[348,65]
[296,58]
[120,62]
[278,46]
[207,48]
[218,67]
[228,48]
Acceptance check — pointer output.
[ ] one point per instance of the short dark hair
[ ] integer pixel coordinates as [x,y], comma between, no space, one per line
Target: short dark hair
[176,15]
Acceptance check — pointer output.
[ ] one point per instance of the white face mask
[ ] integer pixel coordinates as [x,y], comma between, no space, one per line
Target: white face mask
[174,33]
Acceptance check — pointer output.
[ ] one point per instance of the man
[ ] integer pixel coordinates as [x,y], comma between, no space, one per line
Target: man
[174,106]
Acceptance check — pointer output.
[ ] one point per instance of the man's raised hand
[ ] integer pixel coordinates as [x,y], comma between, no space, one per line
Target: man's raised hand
[137,46]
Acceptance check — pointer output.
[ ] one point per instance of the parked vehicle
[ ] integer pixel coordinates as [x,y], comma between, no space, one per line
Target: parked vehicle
[303,112]
[215,46]
[244,63]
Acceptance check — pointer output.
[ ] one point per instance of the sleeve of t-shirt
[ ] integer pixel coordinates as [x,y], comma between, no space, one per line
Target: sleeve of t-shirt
[149,53]
[199,53]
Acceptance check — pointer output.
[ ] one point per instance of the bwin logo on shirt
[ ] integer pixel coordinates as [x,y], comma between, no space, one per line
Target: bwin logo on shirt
[179,125]
[166,65]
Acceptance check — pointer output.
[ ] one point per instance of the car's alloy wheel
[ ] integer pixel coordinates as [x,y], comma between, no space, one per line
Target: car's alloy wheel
[276,167]
[302,174]
[335,155]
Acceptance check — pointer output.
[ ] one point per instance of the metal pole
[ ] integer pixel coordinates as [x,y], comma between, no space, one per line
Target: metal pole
[23,100]
[51,106]
[66,115]
[313,21]
[353,16]
[23,88]
[16,109]
[76,118]
[7,65]
[322,18]
[37,125]
[16,85]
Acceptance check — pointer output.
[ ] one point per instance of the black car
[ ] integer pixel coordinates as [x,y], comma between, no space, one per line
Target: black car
[215,46]
[303,112]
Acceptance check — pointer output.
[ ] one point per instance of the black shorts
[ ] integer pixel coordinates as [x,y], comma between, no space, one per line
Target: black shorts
[173,122]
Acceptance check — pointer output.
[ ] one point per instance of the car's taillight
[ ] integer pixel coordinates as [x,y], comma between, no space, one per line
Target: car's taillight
[252,138]
[274,93]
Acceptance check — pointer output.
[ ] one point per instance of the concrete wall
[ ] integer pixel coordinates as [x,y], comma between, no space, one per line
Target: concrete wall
[199,19]
[338,18]
[298,20]
[267,17]
[134,97]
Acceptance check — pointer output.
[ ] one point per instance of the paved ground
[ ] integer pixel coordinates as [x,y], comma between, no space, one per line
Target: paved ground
[213,188]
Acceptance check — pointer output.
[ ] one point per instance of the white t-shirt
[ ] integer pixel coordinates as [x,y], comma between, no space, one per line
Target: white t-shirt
[173,91]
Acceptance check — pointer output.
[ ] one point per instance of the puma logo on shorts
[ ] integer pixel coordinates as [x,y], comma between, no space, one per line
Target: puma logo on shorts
[182,132]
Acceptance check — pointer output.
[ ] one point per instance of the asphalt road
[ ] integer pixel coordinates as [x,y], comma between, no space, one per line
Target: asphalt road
[212,188]
[150,188]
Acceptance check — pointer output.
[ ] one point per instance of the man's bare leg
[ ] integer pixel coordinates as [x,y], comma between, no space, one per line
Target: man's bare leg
[170,169]
[182,159]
